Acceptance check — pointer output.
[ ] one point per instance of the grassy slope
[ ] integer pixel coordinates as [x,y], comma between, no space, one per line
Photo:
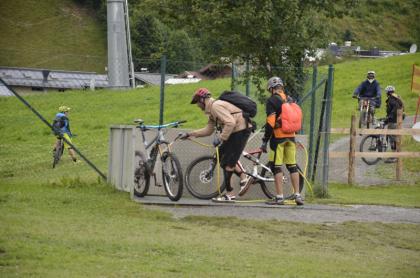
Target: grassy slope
[56,34]
[85,230]
[26,142]
[386,24]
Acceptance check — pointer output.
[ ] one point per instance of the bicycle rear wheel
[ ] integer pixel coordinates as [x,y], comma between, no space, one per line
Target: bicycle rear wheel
[269,187]
[141,175]
[172,176]
[58,153]
[201,178]
[370,144]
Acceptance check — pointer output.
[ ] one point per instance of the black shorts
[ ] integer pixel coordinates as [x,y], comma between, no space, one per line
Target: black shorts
[231,150]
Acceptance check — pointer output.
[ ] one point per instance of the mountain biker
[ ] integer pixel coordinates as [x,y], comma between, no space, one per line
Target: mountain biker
[282,145]
[61,128]
[393,104]
[370,89]
[235,131]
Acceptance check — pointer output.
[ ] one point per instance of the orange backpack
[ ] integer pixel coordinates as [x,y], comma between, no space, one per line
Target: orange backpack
[290,119]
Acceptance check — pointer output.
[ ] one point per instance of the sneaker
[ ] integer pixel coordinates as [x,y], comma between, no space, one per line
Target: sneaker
[224,199]
[391,160]
[77,161]
[245,185]
[276,201]
[298,200]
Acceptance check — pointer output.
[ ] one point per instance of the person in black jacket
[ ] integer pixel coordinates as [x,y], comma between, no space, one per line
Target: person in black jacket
[369,88]
[393,104]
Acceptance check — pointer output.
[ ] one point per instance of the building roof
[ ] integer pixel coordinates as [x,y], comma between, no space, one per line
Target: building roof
[28,77]
[4,91]
[151,78]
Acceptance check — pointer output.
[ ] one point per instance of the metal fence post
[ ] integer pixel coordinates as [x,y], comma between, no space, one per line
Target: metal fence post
[162,87]
[248,81]
[327,129]
[312,120]
[233,82]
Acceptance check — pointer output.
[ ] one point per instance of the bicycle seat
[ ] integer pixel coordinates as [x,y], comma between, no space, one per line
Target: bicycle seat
[139,121]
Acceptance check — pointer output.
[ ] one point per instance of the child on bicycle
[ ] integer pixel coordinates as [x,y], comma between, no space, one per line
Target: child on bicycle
[61,128]
[235,131]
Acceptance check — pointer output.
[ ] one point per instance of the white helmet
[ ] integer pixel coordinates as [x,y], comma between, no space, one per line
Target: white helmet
[274,82]
[371,74]
[389,89]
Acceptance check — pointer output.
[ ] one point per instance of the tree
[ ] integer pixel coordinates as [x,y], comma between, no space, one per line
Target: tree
[274,35]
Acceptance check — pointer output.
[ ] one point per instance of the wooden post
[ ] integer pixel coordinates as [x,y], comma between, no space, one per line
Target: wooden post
[352,151]
[398,138]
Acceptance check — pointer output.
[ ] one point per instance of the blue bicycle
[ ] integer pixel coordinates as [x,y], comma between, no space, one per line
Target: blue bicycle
[145,163]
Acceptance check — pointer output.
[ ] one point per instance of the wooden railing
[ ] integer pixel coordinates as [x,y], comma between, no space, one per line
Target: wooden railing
[353,131]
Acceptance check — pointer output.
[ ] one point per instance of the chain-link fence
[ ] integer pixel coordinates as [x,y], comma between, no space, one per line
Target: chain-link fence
[312,90]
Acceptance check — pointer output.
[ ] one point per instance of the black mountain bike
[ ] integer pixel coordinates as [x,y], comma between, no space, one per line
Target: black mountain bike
[374,143]
[145,163]
[58,152]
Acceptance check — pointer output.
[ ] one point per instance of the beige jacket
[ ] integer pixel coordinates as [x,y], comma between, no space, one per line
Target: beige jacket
[227,115]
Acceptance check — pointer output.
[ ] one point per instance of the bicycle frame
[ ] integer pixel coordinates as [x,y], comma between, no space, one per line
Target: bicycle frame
[256,162]
[156,142]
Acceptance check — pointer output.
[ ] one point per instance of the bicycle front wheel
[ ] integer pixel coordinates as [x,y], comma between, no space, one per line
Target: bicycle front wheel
[172,176]
[370,144]
[141,175]
[201,178]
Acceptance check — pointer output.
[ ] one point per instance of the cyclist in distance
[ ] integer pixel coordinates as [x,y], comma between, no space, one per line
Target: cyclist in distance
[61,126]
[370,89]
[235,131]
[393,103]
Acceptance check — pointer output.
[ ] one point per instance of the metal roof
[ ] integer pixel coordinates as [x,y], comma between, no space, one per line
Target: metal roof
[151,78]
[27,77]
[4,91]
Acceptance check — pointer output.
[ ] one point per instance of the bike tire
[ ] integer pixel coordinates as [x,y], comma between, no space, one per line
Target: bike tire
[201,180]
[269,187]
[172,176]
[58,153]
[141,175]
[370,143]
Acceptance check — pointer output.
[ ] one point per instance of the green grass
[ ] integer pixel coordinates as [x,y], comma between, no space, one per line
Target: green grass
[395,195]
[54,34]
[89,230]
[386,24]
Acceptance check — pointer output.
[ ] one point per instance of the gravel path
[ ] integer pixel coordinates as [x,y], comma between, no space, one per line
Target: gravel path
[310,213]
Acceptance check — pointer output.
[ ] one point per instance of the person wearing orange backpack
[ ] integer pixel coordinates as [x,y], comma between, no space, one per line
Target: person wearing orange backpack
[282,144]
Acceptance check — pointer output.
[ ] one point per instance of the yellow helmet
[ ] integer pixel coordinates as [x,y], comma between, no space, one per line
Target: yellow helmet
[63,109]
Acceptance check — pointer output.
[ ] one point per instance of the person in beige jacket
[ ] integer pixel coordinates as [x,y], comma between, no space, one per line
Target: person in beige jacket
[235,131]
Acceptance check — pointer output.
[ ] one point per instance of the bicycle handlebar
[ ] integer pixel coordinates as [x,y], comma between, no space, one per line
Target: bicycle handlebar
[172,124]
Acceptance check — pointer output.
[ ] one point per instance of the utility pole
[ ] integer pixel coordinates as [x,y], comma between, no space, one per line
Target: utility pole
[118,68]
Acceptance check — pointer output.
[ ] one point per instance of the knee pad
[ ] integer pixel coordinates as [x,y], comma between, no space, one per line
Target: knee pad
[228,176]
[292,168]
[276,169]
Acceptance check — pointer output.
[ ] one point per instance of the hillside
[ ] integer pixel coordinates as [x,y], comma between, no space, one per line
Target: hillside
[386,24]
[55,34]
[64,34]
